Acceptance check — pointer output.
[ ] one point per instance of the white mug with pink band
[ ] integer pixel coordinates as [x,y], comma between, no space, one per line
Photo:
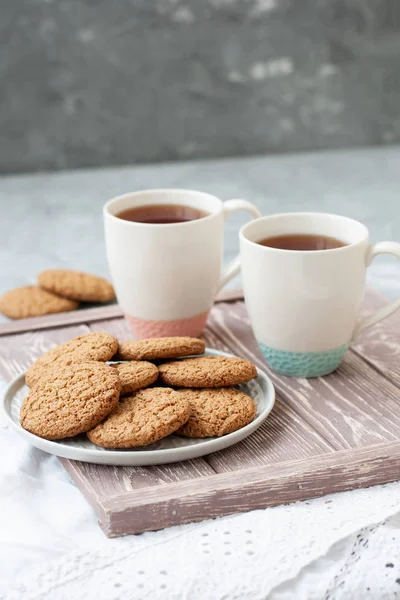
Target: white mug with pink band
[167,271]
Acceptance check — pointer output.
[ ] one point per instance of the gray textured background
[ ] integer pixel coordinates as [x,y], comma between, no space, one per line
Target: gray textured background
[97,82]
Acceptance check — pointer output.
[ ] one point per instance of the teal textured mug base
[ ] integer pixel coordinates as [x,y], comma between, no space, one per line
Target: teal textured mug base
[303,364]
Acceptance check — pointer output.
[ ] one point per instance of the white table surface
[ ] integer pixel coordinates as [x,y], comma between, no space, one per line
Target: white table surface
[341,547]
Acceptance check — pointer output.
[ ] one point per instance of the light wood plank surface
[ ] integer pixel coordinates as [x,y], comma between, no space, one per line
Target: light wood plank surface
[73,317]
[248,489]
[324,435]
[380,344]
[284,436]
[99,483]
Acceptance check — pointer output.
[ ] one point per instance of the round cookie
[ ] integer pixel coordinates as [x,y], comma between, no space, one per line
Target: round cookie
[216,412]
[207,372]
[31,301]
[76,285]
[159,348]
[95,346]
[136,375]
[70,400]
[141,419]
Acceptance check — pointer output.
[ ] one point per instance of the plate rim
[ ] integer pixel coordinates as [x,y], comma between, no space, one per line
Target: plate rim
[149,457]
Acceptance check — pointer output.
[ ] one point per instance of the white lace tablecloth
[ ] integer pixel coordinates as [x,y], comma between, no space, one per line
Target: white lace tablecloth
[342,547]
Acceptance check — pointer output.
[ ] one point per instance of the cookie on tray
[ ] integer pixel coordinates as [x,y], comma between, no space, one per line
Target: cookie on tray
[76,285]
[160,348]
[95,346]
[207,372]
[70,400]
[136,375]
[216,412]
[141,419]
[32,301]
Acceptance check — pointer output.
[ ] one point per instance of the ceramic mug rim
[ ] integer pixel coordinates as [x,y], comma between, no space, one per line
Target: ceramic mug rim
[108,206]
[363,238]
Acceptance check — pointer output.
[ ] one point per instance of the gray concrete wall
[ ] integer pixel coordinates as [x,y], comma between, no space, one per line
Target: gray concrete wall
[100,82]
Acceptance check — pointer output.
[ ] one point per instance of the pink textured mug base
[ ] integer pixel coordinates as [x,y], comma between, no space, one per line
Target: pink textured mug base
[192,326]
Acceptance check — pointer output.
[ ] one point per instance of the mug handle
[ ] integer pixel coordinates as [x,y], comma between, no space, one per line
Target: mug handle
[381,248]
[231,206]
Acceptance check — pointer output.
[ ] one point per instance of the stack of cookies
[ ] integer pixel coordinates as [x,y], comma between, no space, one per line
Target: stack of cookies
[159,386]
[58,290]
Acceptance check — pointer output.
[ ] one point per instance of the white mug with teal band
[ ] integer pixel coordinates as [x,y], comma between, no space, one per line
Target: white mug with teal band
[304,305]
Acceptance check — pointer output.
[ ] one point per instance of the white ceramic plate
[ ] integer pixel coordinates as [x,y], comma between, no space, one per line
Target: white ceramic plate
[171,449]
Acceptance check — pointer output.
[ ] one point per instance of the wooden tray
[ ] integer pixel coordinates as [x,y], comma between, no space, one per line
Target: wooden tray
[324,435]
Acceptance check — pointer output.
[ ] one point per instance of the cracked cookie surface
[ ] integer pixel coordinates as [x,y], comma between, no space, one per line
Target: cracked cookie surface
[216,412]
[160,348]
[76,285]
[141,419]
[207,372]
[95,346]
[32,301]
[136,375]
[70,400]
